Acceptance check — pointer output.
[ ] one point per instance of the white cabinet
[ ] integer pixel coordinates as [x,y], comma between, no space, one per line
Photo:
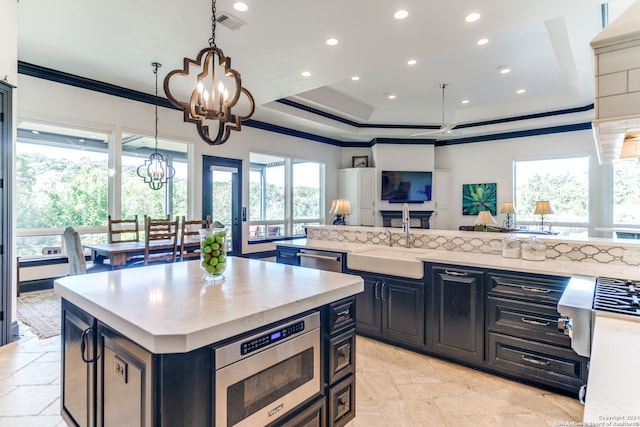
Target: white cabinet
[440,217]
[358,185]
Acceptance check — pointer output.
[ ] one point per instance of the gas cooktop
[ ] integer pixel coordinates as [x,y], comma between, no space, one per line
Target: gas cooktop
[617,295]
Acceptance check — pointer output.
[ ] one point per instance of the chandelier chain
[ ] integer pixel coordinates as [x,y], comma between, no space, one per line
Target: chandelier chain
[212,40]
[155,71]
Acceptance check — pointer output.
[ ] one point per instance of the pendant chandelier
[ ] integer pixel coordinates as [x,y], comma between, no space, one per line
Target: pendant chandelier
[156,171]
[216,89]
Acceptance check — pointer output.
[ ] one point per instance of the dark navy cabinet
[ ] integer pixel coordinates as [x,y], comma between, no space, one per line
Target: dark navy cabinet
[456,313]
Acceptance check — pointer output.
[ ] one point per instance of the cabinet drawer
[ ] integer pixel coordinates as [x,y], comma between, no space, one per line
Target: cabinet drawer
[313,416]
[342,354]
[525,320]
[537,362]
[286,255]
[342,402]
[342,315]
[542,289]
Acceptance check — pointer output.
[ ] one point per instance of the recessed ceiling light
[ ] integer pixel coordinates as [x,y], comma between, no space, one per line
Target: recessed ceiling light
[355,78]
[35,132]
[240,6]
[472,17]
[81,140]
[305,74]
[464,101]
[412,62]
[332,42]
[482,42]
[391,96]
[503,69]
[521,91]
[401,14]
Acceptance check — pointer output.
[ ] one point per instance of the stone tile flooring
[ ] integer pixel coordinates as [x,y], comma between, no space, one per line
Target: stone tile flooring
[395,387]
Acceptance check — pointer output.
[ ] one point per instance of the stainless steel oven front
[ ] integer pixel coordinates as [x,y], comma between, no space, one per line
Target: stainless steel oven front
[260,378]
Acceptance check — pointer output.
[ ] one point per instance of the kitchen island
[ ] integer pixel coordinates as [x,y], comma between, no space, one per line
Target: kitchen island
[139,344]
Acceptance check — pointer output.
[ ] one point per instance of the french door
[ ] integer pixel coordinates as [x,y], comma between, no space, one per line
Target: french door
[222,196]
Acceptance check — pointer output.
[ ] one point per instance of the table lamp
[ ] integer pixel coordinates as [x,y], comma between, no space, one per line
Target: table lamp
[343,207]
[509,209]
[542,208]
[484,218]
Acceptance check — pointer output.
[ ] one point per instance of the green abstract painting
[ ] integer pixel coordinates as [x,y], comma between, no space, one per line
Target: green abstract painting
[478,197]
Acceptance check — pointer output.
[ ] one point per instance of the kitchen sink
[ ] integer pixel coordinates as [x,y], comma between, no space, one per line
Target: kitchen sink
[392,261]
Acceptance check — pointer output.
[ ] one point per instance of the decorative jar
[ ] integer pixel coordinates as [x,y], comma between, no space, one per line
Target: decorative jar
[534,249]
[213,253]
[511,247]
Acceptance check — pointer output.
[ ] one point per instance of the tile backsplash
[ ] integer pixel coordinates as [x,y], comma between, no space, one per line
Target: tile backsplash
[601,251]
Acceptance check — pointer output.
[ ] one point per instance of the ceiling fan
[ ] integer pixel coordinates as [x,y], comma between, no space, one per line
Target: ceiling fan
[445,128]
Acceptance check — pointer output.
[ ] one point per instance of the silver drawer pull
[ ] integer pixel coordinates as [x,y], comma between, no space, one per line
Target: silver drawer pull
[529,288]
[454,273]
[328,258]
[534,322]
[535,360]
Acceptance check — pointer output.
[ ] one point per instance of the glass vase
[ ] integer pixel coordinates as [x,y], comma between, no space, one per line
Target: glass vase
[213,253]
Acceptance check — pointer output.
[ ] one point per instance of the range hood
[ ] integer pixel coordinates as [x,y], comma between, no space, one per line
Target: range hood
[616,50]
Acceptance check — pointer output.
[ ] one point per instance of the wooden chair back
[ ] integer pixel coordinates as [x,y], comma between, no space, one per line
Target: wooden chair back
[190,237]
[124,230]
[160,240]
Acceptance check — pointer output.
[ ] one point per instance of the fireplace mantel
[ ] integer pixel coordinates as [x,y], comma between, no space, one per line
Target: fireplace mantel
[419,219]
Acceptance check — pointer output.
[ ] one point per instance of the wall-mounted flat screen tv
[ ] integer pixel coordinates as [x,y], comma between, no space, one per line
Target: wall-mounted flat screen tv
[406,187]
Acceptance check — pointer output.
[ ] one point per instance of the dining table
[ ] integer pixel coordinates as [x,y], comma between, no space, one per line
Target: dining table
[120,253]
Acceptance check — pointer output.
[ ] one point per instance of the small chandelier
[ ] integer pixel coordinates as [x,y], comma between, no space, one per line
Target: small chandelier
[156,171]
[217,88]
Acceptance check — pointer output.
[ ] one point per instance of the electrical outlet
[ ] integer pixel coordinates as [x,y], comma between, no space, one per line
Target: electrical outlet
[120,369]
[631,257]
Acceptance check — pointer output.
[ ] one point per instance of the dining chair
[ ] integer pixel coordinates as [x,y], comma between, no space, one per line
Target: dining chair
[75,255]
[124,230]
[190,237]
[160,240]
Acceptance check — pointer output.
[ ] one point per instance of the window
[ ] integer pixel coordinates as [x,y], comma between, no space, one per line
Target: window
[626,193]
[136,197]
[61,179]
[284,196]
[564,183]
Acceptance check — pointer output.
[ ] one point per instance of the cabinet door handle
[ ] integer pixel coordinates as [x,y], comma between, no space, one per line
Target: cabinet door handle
[531,289]
[384,286]
[83,345]
[455,273]
[377,290]
[534,322]
[535,360]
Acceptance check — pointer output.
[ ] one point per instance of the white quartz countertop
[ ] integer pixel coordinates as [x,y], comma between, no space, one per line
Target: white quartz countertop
[168,308]
[474,259]
[612,388]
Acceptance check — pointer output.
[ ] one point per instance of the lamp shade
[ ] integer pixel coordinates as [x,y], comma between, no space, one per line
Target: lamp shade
[333,206]
[343,207]
[484,218]
[543,208]
[508,208]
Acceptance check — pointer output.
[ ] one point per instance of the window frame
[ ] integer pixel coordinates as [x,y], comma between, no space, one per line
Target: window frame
[533,224]
[288,221]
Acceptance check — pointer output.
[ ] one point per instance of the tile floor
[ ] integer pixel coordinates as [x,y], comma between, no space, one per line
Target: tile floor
[395,387]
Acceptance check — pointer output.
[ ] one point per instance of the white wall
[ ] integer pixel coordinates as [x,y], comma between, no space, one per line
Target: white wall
[57,103]
[487,162]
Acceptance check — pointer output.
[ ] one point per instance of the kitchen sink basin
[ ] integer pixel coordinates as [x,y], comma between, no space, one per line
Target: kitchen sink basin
[392,261]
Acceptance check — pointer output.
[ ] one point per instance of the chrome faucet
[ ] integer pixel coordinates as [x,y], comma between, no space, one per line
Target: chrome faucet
[389,241]
[406,225]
